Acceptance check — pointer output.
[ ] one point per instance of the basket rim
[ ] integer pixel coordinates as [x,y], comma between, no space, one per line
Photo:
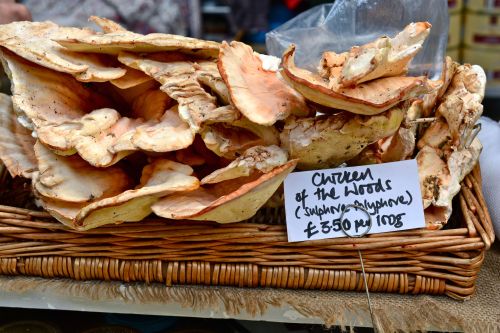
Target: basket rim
[252,253]
[477,228]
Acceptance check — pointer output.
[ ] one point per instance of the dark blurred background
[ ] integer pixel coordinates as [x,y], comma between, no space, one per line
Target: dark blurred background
[52,321]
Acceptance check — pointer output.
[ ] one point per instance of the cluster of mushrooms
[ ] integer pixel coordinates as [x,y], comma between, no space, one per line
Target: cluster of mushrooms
[112,126]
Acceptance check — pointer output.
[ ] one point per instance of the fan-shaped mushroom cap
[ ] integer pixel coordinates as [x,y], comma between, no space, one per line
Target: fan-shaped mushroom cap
[226,202]
[440,179]
[433,174]
[179,81]
[71,179]
[34,41]
[268,134]
[228,141]
[132,78]
[63,211]
[397,147]
[461,105]
[460,163]
[444,158]
[327,141]
[102,137]
[106,25]
[160,178]
[42,96]
[436,217]
[116,41]
[368,98]
[437,135]
[401,145]
[259,158]
[170,133]
[225,114]
[383,57]
[430,99]
[91,136]
[459,109]
[259,94]
[208,74]
[16,148]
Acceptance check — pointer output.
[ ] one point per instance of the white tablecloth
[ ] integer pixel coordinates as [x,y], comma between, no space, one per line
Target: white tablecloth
[490,168]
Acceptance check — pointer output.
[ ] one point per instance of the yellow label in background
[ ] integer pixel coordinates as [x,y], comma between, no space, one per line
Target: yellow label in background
[455,6]
[488,6]
[482,31]
[489,60]
[454,53]
[455,30]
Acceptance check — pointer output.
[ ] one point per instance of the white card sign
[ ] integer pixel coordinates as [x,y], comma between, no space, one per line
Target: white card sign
[388,194]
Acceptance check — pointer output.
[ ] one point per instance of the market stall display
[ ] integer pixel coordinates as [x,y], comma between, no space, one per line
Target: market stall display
[115,126]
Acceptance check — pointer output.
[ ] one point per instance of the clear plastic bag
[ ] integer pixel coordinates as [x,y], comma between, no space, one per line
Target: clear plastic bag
[345,23]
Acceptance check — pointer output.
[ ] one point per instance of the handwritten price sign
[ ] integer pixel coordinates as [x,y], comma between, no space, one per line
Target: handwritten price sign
[383,197]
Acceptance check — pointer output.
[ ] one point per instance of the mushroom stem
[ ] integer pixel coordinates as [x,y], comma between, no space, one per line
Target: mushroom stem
[475,131]
[421,120]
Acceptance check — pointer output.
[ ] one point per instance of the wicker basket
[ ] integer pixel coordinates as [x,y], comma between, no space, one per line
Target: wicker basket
[253,254]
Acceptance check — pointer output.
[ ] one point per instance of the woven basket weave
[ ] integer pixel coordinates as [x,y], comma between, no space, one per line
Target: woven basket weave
[252,254]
